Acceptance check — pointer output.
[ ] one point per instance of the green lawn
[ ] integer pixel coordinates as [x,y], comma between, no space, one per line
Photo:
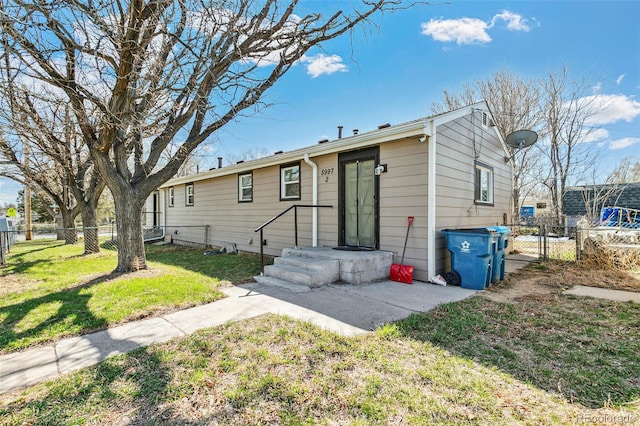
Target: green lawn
[50,290]
[584,349]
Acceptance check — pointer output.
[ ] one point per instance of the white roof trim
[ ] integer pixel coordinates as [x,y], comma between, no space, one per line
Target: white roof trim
[411,129]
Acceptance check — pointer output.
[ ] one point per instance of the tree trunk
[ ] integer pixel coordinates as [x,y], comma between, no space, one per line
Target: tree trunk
[90,229]
[69,227]
[515,218]
[59,227]
[131,255]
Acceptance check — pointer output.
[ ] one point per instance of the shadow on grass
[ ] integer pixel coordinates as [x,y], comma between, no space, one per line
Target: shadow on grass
[64,310]
[18,263]
[584,349]
[136,383]
[235,268]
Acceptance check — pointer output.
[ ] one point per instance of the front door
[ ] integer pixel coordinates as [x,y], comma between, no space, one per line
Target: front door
[359,199]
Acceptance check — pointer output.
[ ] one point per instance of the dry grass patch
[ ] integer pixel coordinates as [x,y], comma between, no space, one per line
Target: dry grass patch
[556,276]
[601,254]
[273,370]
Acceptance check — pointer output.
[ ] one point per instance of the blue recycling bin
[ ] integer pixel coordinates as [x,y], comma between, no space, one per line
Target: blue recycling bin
[472,256]
[500,256]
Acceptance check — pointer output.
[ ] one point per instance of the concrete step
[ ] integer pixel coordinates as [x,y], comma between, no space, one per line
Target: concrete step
[297,274]
[276,282]
[356,267]
[331,267]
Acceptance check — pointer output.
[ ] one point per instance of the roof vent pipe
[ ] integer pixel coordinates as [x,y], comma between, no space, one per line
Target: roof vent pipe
[219,162]
[340,132]
[355,132]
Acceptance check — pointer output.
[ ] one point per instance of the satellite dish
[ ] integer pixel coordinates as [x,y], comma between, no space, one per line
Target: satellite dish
[522,139]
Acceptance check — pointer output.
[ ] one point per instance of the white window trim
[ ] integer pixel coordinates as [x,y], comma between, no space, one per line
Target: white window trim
[189,192]
[241,198]
[487,171]
[283,184]
[171,196]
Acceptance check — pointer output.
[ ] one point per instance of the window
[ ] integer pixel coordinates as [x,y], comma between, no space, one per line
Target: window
[171,196]
[290,182]
[484,184]
[189,197]
[245,188]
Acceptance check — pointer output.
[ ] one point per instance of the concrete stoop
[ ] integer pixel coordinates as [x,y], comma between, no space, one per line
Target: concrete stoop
[300,269]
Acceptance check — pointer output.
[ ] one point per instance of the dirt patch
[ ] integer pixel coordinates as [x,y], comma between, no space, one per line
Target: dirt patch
[15,284]
[93,279]
[540,280]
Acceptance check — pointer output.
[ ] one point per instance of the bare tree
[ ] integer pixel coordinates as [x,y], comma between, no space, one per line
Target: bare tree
[163,71]
[627,171]
[515,105]
[596,195]
[49,156]
[247,155]
[599,193]
[567,110]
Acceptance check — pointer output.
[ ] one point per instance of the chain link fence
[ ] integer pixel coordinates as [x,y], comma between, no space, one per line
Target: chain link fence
[615,247]
[103,237]
[543,242]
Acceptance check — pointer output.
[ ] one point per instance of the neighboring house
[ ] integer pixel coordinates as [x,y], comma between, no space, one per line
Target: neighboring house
[588,200]
[448,171]
[537,206]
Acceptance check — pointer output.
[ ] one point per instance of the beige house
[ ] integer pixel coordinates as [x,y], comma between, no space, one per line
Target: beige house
[447,170]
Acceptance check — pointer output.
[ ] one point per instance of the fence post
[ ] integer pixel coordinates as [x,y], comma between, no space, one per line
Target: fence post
[544,243]
[578,242]
[2,248]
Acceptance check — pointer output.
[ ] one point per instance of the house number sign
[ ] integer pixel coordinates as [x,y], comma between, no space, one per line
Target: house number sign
[325,173]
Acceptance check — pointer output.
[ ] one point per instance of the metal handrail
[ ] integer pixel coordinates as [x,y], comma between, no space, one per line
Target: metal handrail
[273,219]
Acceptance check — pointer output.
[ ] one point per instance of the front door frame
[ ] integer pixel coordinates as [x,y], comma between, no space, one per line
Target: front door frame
[349,157]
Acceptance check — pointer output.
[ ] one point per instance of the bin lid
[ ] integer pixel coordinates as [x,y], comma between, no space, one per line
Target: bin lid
[469,231]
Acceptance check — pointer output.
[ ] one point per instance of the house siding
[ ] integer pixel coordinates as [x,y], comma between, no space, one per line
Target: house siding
[455,179]
[403,192]
[216,204]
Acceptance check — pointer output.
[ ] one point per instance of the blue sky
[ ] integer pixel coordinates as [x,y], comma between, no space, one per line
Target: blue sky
[393,73]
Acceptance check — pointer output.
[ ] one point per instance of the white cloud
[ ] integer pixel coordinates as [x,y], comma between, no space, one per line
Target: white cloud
[471,30]
[320,64]
[613,108]
[623,143]
[462,31]
[596,135]
[619,79]
[514,21]
[597,88]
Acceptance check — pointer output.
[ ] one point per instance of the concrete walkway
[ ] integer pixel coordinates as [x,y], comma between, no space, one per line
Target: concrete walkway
[604,293]
[345,309]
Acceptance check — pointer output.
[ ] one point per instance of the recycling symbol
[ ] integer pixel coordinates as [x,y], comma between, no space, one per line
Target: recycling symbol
[465,246]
